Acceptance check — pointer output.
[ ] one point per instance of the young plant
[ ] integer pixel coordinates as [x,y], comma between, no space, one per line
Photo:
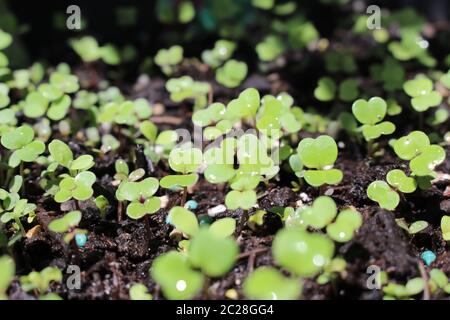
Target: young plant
[397,291]
[24,148]
[319,156]
[7,273]
[423,97]
[185,88]
[267,283]
[169,59]
[90,51]
[370,113]
[40,281]
[326,90]
[232,73]
[67,225]
[138,291]
[185,160]
[222,51]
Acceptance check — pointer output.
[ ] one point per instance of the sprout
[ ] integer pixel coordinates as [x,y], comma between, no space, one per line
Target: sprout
[412,288]
[89,50]
[319,155]
[267,283]
[390,73]
[222,51]
[380,192]
[40,281]
[326,89]
[19,209]
[398,179]
[270,48]
[140,194]
[417,226]
[63,156]
[340,61]
[232,73]
[175,276]
[213,254]
[445,227]
[186,88]
[168,59]
[370,114]
[138,291]
[67,224]
[423,156]
[301,252]
[8,270]
[420,89]
[78,187]
[20,141]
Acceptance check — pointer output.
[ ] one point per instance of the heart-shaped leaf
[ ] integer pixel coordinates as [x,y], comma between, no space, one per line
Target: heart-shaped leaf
[372,132]
[412,145]
[316,178]
[240,199]
[185,180]
[379,191]
[317,153]
[398,179]
[369,112]
[321,213]
[424,164]
[326,89]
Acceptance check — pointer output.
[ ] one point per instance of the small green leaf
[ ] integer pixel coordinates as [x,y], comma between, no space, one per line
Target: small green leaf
[184,220]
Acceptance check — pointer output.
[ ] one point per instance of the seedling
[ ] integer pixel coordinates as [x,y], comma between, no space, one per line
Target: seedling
[124,112]
[423,156]
[78,187]
[232,73]
[138,291]
[20,209]
[185,160]
[270,48]
[168,59]
[445,227]
[173,273]
[67,225]
[140,194]
[267,283]
[40,281]
[379,191]
[20,141]
[397,291]
[420,89]
[63,156]
[185,87]
[302,253]
[326,89]
[370,113]
[390,73]
[89,50]
[319,156]
[222,51]
[8,270]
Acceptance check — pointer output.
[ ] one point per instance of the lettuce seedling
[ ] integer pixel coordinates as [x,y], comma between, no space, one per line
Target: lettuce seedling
[140,194]
[67,225]
[319,155]
[173,273]
[267,283]
[78,187]
[89,50]
[20,141]
[168,59]
[62,155]
[397,291]
[222,51]
[379,191]
[187,222]
[21,209]
[185,88]
[445,227]
[7,272]
[423,156]
[138,291]
[302,253]
[370,113]
[40,281]
[420,89]
[213,254]
[123,172]
[232,73]
[124,112]
[185,160]
[270,48]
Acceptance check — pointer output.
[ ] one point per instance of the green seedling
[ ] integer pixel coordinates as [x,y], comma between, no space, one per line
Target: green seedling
[78,187]
[326,90]
[397,291]
[420,89]
[85,100]
[319,156]
[232,73]
[24,148]
[445,227]
[63,156]
[438,280]
[140,195]
[124,112]
[40,281]
[213,254]
[67,225]
[399,181]
[123,172]
[390,73]
[173,273]
[169,59]
[267,283]
[7,273]
[222,51]
[301,252]
[440,116]
[409,48]
[371,114]
[336,268]
[187,222]
[185,88]
[185,160]
[21,209]
[138,291]
[270,48]
[89,50]
[340,61]
[423,156]
[379,191]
